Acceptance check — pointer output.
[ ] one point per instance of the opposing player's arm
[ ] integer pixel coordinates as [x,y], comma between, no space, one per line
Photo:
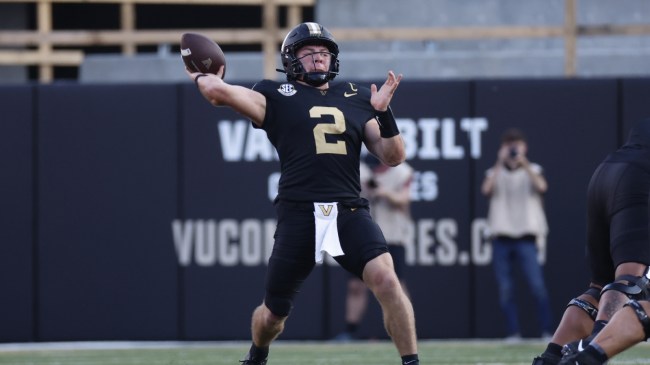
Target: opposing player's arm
[247,102]
[389,150]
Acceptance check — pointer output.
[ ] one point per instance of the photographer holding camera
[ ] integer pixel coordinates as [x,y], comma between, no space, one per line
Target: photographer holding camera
[517,224]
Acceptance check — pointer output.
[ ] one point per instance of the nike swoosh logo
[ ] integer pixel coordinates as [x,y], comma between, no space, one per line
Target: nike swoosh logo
[409,362]
[347,94]
[580,348]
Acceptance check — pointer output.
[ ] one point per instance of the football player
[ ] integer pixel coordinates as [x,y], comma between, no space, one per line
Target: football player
[318,127]
[618,248]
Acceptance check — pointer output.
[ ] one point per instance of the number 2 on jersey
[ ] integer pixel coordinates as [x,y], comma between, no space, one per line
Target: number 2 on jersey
[321,129]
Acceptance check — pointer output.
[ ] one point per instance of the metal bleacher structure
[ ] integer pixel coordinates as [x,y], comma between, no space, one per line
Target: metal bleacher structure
[424,39]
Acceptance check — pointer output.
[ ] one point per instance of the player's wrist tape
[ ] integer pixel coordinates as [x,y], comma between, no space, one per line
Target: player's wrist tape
[196,79]
[387,124]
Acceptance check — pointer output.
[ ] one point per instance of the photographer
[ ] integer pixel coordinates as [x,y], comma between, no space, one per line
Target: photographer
[517,223]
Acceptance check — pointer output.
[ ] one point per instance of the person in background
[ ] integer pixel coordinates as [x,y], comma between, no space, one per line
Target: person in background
[389,191]
[618,254]
[517,222]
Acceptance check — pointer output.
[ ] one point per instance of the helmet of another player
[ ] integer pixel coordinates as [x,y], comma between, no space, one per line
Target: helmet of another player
[308,34]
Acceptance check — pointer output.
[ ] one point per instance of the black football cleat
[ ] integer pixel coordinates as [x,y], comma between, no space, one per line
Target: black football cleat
[546,359]
[581,358]
[248,361]
[575,347]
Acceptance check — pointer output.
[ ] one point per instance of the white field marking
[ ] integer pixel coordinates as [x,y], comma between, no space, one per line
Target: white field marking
[115,345]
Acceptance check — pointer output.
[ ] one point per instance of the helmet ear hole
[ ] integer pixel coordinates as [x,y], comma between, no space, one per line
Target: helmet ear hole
[303,34]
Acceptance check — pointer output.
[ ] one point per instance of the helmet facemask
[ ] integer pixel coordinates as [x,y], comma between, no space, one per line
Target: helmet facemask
[314,78]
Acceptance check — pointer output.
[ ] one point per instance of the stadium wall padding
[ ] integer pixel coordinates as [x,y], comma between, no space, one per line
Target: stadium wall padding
[141,212]
[17,261]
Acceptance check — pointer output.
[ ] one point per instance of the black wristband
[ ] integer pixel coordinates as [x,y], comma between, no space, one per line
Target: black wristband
[196,79]
[387,124]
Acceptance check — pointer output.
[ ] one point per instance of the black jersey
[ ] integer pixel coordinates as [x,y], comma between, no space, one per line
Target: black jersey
[318,136]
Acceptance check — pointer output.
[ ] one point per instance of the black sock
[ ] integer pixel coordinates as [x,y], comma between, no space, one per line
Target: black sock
[554,350]
[258,353]
[410,360]
[596,352]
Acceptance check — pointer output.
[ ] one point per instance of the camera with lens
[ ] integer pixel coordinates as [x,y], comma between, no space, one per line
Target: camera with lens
[513,152]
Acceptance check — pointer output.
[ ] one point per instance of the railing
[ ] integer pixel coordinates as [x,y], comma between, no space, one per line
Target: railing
[44,38]
[128,37]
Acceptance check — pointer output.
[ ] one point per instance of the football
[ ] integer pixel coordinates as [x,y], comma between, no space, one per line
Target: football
[202,54]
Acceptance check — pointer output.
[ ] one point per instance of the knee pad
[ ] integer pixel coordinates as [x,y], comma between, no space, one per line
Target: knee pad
[278,305]
[636,287]
[585,305]
[641,315]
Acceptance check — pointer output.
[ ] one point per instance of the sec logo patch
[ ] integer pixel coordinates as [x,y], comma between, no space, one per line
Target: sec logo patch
[287,90]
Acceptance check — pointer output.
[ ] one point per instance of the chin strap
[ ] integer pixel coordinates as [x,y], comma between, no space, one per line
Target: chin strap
[316,78]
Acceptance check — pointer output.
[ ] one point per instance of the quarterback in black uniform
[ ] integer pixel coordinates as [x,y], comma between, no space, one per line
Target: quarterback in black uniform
[318,128]
[618,253]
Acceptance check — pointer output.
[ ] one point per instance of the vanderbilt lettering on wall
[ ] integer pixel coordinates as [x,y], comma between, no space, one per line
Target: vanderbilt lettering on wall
[426,138]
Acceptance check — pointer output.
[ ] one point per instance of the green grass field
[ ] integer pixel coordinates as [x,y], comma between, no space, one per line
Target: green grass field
[288,353]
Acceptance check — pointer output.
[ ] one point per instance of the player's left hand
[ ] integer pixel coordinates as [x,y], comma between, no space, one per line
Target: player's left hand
[380,99]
